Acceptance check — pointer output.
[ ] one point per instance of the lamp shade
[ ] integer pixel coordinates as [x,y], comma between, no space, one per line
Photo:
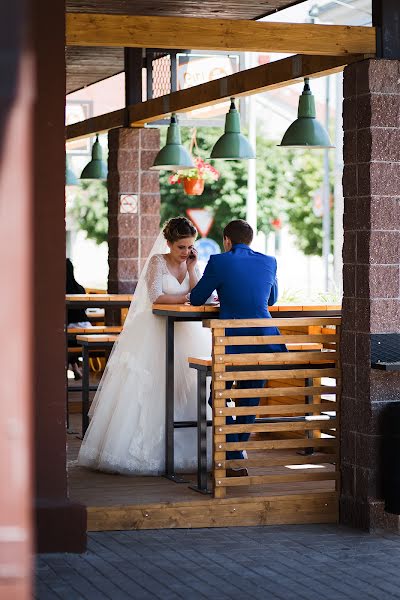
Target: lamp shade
[306,131]
[232,145]
[96,168]
[70,177]
[173,155]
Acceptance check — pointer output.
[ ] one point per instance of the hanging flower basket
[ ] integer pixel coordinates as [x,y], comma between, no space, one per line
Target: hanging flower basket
[193,180]
[193,187]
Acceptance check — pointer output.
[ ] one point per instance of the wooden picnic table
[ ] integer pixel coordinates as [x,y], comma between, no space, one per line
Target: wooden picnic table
[98,300]
[90,301]
[91,342]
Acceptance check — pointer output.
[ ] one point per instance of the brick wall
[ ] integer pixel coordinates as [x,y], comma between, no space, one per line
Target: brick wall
[371,275]
[131,235]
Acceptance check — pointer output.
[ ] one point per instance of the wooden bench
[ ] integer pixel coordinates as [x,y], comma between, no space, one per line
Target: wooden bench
[96,329]
[291,410]
[73,332]
[88,343]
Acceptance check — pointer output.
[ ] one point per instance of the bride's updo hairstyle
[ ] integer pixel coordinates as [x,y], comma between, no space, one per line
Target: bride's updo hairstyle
[178,228]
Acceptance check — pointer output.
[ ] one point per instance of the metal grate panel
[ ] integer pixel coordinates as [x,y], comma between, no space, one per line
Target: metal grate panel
[385,351]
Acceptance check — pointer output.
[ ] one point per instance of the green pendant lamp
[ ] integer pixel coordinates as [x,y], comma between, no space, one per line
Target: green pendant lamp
[70,177]
[306,131]
[96,168]
[173,155]
[232,145]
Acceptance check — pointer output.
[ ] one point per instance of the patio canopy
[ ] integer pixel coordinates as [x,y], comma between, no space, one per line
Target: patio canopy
[87,65]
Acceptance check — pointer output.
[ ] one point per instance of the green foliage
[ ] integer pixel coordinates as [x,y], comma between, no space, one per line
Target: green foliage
[286,183]
[203,170]
[303,180]
[90,209]
[290,296]
[333,297]
[296,296]
[225,198]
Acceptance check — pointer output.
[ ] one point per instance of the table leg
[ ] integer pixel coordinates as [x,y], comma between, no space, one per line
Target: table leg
[66,366]
[201,433]
[66,375]
[85,389]
[169,403]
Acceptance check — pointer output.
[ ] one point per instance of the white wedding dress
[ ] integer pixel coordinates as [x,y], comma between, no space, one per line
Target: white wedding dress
[127,428]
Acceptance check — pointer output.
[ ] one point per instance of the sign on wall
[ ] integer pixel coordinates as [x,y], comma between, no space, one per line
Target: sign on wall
[75,111]
[128,204]
[194,69]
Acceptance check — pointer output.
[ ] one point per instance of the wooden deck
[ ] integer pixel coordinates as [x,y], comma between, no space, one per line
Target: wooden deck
[118,502]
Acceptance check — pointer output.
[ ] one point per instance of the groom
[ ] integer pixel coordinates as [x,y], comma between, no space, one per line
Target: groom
[246,284]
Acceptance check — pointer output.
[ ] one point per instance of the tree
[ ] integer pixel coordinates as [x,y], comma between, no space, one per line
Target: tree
[226,198]
[90,209]
[304,179]
[286,183]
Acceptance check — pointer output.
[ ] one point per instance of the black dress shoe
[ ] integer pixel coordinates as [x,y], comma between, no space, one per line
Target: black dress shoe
[237,472]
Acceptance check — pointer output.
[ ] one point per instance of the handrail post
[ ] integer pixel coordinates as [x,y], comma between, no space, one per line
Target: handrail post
[218,384]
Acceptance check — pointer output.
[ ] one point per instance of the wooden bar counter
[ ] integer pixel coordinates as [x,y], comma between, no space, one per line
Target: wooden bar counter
[185,312]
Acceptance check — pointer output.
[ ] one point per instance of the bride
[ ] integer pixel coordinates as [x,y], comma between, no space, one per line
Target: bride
[127,429]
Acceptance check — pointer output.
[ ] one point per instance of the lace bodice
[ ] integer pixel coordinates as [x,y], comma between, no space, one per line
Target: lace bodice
[160,280]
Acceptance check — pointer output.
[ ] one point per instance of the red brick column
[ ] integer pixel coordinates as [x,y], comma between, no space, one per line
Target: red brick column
[371,255]
[133,204]
[60,522]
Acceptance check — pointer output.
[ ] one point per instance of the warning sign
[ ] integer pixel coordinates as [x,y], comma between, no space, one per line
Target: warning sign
[202,219]
[128,204]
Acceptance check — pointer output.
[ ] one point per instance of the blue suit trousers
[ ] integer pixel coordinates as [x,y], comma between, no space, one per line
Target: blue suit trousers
[241,419]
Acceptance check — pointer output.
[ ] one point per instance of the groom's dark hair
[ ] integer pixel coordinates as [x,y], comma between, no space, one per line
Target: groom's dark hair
[239,232]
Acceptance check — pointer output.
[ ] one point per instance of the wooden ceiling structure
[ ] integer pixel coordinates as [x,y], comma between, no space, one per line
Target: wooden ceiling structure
[322,49]
[86,65]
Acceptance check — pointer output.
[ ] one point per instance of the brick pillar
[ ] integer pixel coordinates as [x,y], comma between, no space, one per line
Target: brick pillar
[131,234]
[371,254]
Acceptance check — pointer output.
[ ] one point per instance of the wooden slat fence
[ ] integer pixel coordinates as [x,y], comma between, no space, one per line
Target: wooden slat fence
[298,391]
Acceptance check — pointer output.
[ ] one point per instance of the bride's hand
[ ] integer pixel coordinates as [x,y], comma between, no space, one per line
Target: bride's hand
[191,261]
[182,299]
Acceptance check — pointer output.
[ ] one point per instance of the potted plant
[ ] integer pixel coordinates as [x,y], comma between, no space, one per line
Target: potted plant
[193,180]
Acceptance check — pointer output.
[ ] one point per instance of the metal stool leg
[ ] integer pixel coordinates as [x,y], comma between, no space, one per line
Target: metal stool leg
[85,390]
[201,433]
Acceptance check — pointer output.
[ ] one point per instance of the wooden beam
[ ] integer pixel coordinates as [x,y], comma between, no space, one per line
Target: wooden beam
[260,79]
[98,124]
[319,506]
[217,34]
[252,81]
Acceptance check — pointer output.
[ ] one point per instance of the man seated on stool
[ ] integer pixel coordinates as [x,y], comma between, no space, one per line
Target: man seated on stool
[246,284]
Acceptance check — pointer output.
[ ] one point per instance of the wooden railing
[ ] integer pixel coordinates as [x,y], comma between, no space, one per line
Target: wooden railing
[293,414]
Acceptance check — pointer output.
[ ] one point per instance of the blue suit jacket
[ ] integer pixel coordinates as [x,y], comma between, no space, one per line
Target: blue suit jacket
[246,285]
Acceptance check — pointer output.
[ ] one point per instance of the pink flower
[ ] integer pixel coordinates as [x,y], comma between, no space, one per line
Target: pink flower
[202,170]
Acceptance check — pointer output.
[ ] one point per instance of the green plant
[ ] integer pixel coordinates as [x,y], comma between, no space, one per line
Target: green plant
[304,179]
[333,297]
[202,170]
[289,296]
[286,183]
[90,209]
